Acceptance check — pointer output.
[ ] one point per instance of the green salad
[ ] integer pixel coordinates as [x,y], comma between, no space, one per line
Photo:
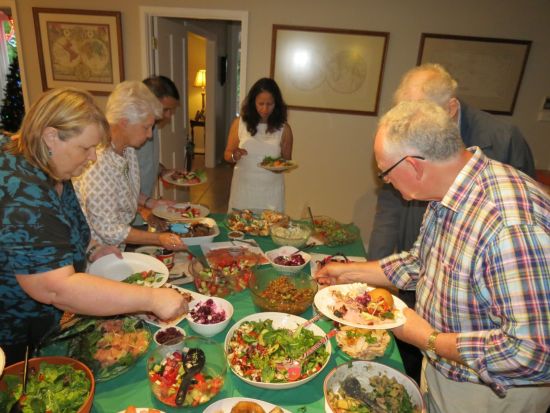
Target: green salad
[146,278]
[257,349]
[56,388]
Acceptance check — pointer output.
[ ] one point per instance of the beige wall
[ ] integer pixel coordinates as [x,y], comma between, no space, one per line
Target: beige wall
[334,151]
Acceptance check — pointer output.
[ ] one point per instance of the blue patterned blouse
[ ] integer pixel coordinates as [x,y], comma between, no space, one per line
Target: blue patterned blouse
[40,231]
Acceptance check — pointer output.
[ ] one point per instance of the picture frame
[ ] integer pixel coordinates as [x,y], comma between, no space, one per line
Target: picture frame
[488,70]
[329,70]
[79,48]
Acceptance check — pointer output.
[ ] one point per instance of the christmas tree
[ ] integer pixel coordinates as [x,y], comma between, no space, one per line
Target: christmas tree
[13,107]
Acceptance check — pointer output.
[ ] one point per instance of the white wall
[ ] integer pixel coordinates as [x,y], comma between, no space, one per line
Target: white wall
[334,151]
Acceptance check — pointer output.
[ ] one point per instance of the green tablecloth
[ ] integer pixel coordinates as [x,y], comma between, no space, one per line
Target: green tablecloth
[132,387]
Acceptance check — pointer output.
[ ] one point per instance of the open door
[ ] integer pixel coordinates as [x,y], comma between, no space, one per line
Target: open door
[170,60]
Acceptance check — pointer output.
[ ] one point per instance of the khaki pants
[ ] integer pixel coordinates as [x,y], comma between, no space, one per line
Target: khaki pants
[448,396]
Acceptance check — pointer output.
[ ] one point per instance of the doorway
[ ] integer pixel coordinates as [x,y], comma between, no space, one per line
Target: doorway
[220,106]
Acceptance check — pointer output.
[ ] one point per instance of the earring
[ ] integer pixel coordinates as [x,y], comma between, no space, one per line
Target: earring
[50,153]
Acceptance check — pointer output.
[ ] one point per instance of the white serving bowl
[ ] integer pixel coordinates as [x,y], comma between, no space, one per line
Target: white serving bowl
[280,320]
[287,250]
[209,330]
[363,371]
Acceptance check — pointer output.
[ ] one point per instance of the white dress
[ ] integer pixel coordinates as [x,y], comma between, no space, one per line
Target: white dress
[254,187]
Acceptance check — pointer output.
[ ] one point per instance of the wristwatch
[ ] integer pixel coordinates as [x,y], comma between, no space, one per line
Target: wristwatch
[430,350]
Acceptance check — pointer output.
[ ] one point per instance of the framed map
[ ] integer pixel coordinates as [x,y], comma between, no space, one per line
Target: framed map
[329,70]
[488,70]
[79,48]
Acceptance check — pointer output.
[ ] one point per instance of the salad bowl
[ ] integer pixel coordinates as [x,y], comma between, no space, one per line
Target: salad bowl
[382,384]
[272,322]
[46,389]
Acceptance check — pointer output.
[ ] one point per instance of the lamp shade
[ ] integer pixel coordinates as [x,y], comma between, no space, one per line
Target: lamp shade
[200,78]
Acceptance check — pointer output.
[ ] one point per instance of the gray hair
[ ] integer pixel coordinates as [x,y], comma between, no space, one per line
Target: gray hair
[133,101]
[421,128]
[436,84]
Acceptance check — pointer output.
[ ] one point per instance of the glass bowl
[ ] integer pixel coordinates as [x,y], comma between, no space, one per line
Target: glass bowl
[165,369]
[220,281]
[293,233]
[272,290]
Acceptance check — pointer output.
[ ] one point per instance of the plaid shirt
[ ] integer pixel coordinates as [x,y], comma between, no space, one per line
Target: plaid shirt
[481,269]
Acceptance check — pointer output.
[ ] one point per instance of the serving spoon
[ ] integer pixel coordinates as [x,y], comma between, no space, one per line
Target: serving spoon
[193,362]
[294,367]
[17,407]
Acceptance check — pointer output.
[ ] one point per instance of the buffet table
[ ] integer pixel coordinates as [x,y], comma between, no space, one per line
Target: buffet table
[132,387]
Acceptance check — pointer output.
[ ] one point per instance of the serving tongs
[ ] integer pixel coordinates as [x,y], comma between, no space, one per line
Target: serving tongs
[352,388]
[17,407]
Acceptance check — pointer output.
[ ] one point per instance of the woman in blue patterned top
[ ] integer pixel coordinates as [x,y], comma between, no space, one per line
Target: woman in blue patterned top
[44,237]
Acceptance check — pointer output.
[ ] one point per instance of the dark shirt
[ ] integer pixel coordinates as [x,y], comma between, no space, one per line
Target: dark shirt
[39,231]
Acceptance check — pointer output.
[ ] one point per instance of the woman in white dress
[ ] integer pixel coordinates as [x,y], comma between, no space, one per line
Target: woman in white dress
[260,131]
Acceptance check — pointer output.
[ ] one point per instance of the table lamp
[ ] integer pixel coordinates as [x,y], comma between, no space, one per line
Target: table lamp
[200,81]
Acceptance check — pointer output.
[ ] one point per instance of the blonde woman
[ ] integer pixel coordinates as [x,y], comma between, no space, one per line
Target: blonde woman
[44,237]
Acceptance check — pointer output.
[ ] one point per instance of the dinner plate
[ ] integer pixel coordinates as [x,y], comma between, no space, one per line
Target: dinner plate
[324,302]
[151,319]
[235,247]
[114,268]
[289,165]
[280,321]
[225,405]
[200,174]
[315,257]
[179,273]
[174,212]
[143,410]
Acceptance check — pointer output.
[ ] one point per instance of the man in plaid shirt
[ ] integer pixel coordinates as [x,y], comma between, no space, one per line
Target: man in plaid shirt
[480,267]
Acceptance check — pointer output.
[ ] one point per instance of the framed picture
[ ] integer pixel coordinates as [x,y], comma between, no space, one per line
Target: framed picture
[329,70]
[488,70]
[80,48]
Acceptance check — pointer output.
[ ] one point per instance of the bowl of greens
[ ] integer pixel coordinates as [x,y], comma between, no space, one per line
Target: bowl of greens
[54,384]
[257,346]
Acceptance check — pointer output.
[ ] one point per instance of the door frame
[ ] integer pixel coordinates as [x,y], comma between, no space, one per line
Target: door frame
[146,12]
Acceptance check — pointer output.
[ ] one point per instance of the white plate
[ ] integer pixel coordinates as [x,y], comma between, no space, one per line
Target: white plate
[319,257]
[151,319]
[202,176]
[363,371]
[225,405]
[206,238]
[179,273]
[280,320]
[235,244]
[324,302]
[143,410]
[114,268]
[2,360]
[169,213]
[290,165]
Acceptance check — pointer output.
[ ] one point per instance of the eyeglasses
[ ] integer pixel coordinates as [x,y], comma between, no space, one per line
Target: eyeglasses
[382,175]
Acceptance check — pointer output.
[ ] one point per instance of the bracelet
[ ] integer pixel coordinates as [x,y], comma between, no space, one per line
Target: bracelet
[233,156]
[90,252]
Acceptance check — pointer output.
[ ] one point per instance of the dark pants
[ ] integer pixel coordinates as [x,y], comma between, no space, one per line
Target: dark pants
[412,357]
